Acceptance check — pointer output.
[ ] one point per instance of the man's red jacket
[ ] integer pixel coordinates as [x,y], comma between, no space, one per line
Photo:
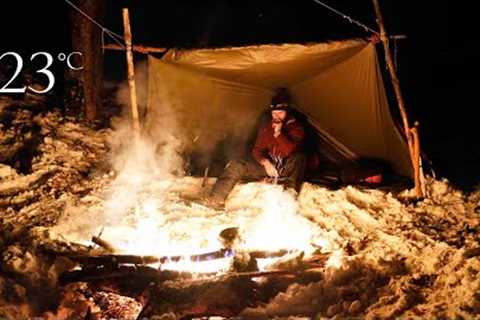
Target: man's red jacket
[287,143]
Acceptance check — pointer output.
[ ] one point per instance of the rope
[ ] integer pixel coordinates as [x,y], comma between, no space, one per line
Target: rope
[344,16]
[112,34]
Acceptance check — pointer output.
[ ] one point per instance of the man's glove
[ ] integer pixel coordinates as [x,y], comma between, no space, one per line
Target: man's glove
[270,168]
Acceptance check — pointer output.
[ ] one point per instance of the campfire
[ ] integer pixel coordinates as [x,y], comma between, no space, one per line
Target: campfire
[169,234]
[138,226]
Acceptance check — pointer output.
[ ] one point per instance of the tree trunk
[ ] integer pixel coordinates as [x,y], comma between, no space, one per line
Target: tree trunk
[86,38]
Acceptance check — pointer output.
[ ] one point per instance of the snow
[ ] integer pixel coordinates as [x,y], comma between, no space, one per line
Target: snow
[389,259]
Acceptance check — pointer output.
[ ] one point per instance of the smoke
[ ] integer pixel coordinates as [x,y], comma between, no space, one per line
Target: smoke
[146,165]
[215,126]
[140,159]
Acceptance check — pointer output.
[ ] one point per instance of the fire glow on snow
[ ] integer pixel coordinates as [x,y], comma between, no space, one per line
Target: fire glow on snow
[165,227]
[143,214]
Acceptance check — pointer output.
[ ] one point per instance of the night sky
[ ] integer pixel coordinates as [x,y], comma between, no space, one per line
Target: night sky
[438,63]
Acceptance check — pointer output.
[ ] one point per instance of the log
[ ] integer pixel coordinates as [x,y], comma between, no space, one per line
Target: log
[154,275]
[145,260]
[109,260]
[267,254]
[188,295]
[126,272]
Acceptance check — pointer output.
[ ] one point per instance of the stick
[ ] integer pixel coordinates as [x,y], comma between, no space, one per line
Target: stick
[267,254]
[104,244]
[205,176]
[398,93]
[131,71]
[137,48]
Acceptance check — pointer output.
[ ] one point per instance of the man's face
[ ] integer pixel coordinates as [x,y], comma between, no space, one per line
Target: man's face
[279,116]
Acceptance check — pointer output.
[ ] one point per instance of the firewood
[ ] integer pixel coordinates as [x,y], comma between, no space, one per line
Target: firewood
[267,254]
[114,259]
[104,244]
[103,273]
[144,260]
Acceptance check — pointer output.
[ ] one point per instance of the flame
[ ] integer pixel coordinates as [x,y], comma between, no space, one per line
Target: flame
[279,226]
[158,223]
[212,266]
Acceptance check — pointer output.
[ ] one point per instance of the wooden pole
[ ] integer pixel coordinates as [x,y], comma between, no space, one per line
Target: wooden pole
[131,70]
[398,94]
[136,48]
[416,153]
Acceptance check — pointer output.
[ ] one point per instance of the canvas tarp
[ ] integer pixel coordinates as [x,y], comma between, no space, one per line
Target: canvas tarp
[215,93]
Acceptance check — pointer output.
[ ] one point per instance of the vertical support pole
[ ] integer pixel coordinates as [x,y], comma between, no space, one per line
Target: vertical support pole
[131,70]
[416,153]
[414,156]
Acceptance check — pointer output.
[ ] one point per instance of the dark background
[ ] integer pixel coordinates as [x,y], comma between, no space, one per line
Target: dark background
[437,64]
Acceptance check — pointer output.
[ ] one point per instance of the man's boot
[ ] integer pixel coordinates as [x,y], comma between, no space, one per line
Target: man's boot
[294,171]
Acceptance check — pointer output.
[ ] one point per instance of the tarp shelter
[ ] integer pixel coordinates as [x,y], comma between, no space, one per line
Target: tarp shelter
[338,85]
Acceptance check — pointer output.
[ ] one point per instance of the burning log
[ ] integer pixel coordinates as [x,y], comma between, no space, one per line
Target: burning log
[186,294]
[145,260]
[112,260]
[150,274]
[127,272]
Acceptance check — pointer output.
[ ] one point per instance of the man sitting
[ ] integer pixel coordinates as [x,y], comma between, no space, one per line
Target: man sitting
[277,155]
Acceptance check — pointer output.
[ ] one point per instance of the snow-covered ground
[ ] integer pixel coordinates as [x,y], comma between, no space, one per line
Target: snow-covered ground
[390,259]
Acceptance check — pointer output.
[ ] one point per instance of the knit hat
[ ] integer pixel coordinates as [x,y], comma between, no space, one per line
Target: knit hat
[280,100]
